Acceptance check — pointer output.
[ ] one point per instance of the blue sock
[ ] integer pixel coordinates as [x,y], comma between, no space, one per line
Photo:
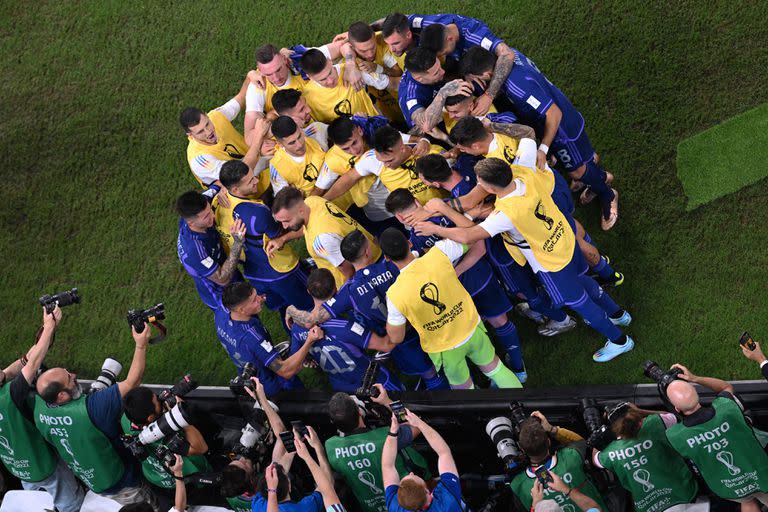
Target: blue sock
[437,381]
[594,177]
[542,304]
[599,296]
[507,335]
[604,270]
[594,316]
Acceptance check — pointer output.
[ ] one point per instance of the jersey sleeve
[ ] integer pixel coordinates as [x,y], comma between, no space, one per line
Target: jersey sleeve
[454,250]
[497,223]
[412,97]
[326,178]
[394,316]
[206,168]
[356,334]
[277,181]
[199,260]
[258,220]
[339,303]
[527,152]
[261,349]
[20,391]
[368,165]
[328,247]
[104,409]
[532,97]
[477,33]
[451,483]
[389,60]
[255,99]
[502,117]
[230,109]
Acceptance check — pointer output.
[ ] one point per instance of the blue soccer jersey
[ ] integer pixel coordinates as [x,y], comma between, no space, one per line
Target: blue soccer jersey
[341,354]
[258,221]
[201,255]
[413,95]
[472,32]
[501,117]
[249,342]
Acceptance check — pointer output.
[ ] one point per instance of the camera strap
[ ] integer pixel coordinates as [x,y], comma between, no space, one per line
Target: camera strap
[161,329]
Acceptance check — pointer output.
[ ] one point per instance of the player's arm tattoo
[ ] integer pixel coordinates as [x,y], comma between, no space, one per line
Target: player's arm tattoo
[503,66]
[308,319]
[276,365]
[514,130]
[427,119]
[224,274]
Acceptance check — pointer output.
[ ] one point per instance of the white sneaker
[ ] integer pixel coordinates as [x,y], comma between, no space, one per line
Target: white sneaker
[524,309]
[553,328]
[611,350]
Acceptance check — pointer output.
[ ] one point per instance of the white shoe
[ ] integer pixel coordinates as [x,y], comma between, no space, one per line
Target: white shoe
[524,309]
[553,328]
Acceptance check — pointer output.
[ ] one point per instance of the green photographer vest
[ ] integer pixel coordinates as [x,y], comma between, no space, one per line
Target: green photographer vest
[240,504]
[22,449]
[153,469]
[649,468]
[357,458]
[85,449]
[568,465]
[725,449]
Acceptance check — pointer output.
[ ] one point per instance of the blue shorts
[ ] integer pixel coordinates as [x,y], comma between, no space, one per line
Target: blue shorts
[513,277]
[562,196]
[563,286]
[409,358]
[286,291]
[571,146]
[487,294]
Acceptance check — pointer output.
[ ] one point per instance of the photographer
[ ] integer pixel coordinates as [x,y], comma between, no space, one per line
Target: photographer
[23,450]
[142,408]
[718,439]
[560,452]
[757,356]
[85,429]
[180,497]
[356,453]
[581,500]
[643,460]
[411,492]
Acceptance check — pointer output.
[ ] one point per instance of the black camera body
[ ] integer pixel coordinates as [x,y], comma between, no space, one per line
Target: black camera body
[653,371]
[238,385]
[138,317]
[367,390]
[134,446]
[181,388]
[600,435]
[61,299]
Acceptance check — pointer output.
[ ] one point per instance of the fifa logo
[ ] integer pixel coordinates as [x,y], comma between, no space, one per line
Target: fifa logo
[541,214]
[333,210]
[310,172]
[431,295]
[232,152]
[343,108]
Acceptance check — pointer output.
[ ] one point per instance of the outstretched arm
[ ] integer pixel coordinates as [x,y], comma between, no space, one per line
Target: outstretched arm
[716,385]
[288,368]
[445,462]
[224,273]
[389,472]
[426,119]
[37,353]
[307,319]
[466,236]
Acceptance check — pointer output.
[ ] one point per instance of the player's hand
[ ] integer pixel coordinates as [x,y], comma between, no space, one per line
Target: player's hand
[223,197]
[541,159]
[271,476]
[425,228]
[436,205]
[237,229]
[353,77]
[314,439]
[451,154]
[52,319]
[272,246]
[287,53]
[141,338]
[545,424]
[257,79]
[457,87]
[341,38]
[366,67]
[755,355]
[268,147]
[315,334]
[383,397]
[481,105]
[261,128]
[272,116]
[416,216]
[537,492]
[557,484]
[476,81]
[686,375]
[422,148]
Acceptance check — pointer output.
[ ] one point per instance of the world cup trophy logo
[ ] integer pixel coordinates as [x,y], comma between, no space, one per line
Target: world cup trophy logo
[509,155]
[336,212]
[343,108]
[541,214]
[726,459]
[431,295]
[232,151]
[310,172]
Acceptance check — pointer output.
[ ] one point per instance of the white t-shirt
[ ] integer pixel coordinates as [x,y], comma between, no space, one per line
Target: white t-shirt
[377,194]
[328,247]
[453,250]
[207,167]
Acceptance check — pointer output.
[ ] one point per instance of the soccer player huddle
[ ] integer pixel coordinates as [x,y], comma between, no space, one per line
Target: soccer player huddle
[430,170]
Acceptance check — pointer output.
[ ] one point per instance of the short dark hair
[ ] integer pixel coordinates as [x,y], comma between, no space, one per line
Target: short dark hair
[449,101]
[340,130]
[283,126]
[433,167]
[433,37]
[138,405]
[399,200]
[359,32]
[285,99]
[232,171]
[143,506]
[395,22]
[321,284]
[476,61]
[313,61]
[386,138]
[236,293]
[190,204]
[235,481]
[282,484]
[533,440]
[468,130]
[50,393]
[265,53]
[393,244]
[352,245]
[494,171]
[420,59]
[189,117]
[286,198]
[343,412]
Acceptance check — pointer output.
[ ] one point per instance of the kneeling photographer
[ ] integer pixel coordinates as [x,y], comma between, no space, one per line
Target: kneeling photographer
[717,438]
[643,460]
[156,429]
[356,452]
[552,450]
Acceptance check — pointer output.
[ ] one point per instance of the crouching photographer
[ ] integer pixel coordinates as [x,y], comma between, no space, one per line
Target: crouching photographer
[156,429]
[717,438]
[636,450]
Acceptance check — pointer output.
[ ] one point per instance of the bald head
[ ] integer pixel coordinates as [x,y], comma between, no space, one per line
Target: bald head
[58,386]
[683,396]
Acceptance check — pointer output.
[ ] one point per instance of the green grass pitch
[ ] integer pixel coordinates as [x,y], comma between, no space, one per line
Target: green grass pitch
[93,158]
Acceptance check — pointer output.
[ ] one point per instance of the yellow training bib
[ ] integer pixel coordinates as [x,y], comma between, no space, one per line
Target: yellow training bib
[405,177]
[328,103]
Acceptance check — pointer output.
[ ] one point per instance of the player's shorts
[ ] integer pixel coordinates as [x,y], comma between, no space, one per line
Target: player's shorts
[564,286]
[286,291]
[563,197]
[516,279]
[571,145]
[484,288]
[409,358]
[478,348]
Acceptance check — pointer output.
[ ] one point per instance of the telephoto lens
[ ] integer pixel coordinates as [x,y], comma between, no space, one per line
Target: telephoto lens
[181,388]
[499,429]
[517,413]
[110,369]
[61,299]
[653,371]
[170,422]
